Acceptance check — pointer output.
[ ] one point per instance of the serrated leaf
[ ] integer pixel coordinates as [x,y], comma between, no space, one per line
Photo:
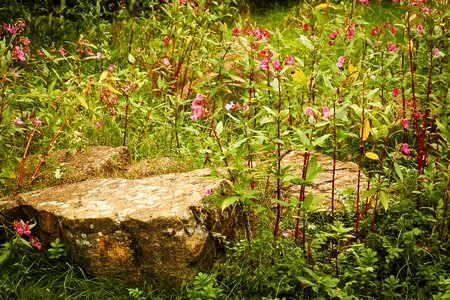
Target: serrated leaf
[365,131]
[299,76]
[398,171]
[384,199]
[372,156]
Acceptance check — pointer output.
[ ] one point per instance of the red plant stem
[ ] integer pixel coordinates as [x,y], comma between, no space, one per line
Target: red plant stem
[405,130]
[126,121]
[279,158]
[133,26]
[24,157]
[301,195]
[334,160]
[44,156]
[383,154]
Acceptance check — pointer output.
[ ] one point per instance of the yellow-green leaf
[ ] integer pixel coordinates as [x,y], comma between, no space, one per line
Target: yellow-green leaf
[299,76]
[365,130]
[384,199]
[352,69]
[372,156]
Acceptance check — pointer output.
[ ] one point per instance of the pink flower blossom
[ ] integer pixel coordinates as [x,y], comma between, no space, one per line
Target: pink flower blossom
[350,156]
[98,124]
[197,107]
[264,64]
[18,227]
[395,92]
[285,233]
[392,48]
[306,27]
[426,9]
[351,31]
[417,115]
[436,52]
[98,55]
[276,65]
[405,123]
[375,31]
[18,121]
[37,121]
[91,80]
[326,112]
[340,62]
[230,106]
[333,35]
[63,51]
[111,67]
[208,193]
[419,28]
[405,149]
[41,53]
[166,62]
[308,112]
[26,229]
[236,32]
[182,1]
[290,60]
[11,29]
[34,242]
[363,1]
[18,53]
[166,40]
[24,40]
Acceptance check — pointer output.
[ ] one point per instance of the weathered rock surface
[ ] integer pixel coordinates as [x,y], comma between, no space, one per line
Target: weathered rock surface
[156,227]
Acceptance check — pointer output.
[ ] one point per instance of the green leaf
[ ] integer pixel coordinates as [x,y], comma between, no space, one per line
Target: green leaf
[320,141]
[306,42]
[313,169]
[131,58]
[384,199]
[219,128]
[228,202]
[398,171]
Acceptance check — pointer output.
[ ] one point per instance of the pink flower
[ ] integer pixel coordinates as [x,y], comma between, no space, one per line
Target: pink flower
[37,121]
[230,106]
[18,121]
[436,52]
[308,112]
[63,51]
[24,40]
[111,67]
[84,43]
[306,27]
[417,115]
[34,242]
[98,55]
[26,229]
[98,124]
[333,35]
[236,31]
[91,80]
[363,1]
[197,107]
[351,31]
[246,107]
[290,61]
[264,64]
[276,65]
[426,10]
[208,193]
[18,227]
[166,40]
[419,28]
[11,29]
[405,123]
[166,62]
[340,62]
[392,48]
[41,53]
[326,112]
[395,92]
[405,149]
[285,233]
[18,53]
[375,31]
[349,156]
[182,1]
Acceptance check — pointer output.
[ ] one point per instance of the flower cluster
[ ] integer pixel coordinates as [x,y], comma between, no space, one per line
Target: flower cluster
[198,109]
[84,49]
[22,229]
[20,45]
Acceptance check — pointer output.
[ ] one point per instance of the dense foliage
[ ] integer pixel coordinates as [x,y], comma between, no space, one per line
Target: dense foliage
[359,81]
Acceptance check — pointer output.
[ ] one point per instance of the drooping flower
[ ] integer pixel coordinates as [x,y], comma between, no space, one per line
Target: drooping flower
[395,92]
[306,27]
[351,31]
[426,9]
[18,53]
[230,106]
[37,121]
[41,53]
[166,40]
[24,40]
[405,123]
[309,112]
[326,112]
[419,28]
[276,65]
[98,124]
[375,31]
[290,60]
[264,64]
[62,51]
[18,227]
[436,52]
[417,115]
[166,61]
[392,48]
[111,67]
[197,107]
[340,62]
[98,55]
[333,35]
[207,193]
[18,121]
[285,233]
[236,32]
[10,28]
[363,1]
[26,229]
[405,149]
[34,242]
